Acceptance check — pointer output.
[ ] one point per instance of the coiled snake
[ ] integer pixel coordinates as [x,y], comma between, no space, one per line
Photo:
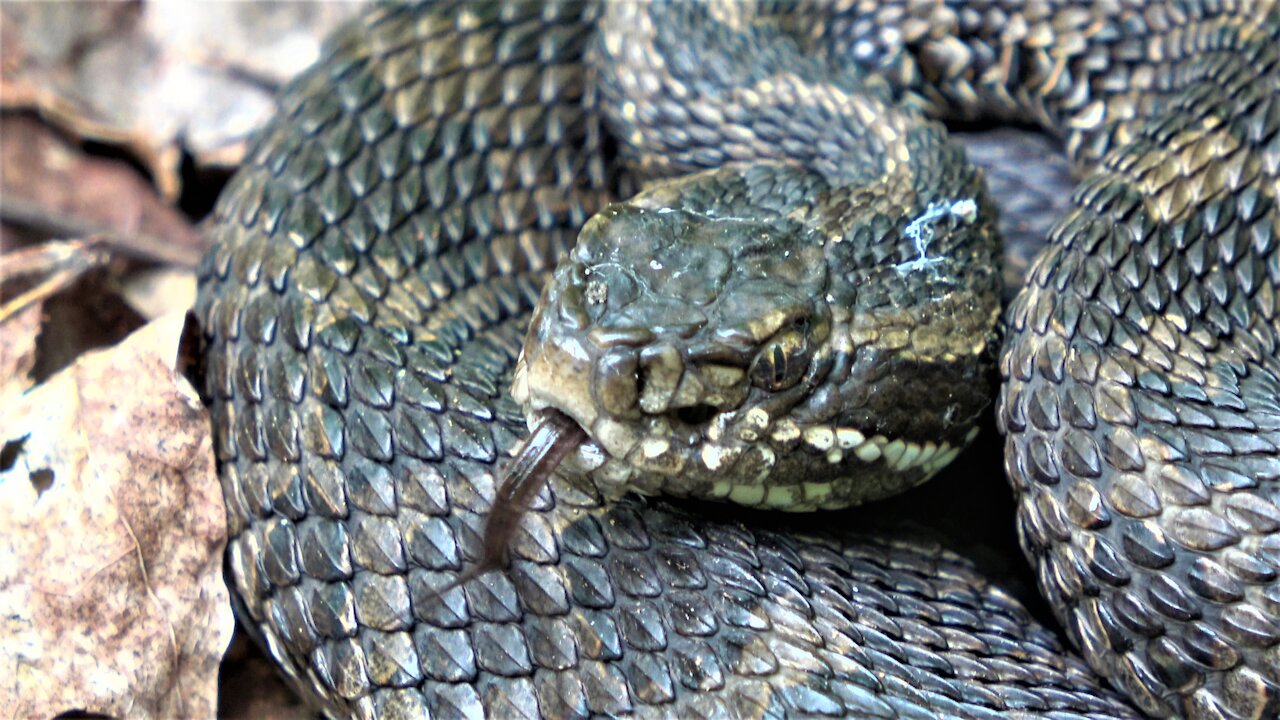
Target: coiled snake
[820,309]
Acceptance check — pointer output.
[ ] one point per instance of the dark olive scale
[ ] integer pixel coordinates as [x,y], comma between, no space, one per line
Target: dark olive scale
[380,252]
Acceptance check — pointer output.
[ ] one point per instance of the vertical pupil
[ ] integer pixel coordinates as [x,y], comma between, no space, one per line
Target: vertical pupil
[779,364]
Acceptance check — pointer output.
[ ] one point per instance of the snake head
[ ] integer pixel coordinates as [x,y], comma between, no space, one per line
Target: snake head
[696,348]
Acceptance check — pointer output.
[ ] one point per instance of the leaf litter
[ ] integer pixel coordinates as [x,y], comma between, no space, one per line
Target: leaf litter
[119,123]
[112,599]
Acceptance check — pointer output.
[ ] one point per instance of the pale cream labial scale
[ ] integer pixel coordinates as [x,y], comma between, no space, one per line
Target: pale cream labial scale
[654,448]
[897,454]
[716,456]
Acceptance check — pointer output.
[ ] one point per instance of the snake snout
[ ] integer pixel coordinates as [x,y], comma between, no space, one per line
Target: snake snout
[659,381]
[691,391]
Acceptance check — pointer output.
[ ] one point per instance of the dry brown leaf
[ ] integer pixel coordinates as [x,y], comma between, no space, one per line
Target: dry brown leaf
[159,78]
[50,183]
[18,352]
[111,592]
[160,291]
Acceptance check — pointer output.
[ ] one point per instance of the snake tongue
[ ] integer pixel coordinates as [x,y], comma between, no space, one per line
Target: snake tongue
[554,437]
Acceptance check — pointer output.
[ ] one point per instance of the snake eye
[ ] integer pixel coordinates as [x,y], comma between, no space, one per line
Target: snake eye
[781,362]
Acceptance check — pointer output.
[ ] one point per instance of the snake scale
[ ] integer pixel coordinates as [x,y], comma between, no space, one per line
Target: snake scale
[381,251]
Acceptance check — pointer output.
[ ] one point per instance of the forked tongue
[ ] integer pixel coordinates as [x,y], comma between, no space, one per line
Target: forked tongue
[554,437]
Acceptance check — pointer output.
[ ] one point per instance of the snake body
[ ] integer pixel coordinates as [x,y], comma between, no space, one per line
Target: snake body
[380,253]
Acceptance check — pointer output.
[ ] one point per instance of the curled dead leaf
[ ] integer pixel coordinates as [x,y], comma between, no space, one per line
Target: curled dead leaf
[51,185]
[111,592]
[153,78]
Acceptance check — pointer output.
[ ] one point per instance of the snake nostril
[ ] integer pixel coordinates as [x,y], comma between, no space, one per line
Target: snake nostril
[696,414]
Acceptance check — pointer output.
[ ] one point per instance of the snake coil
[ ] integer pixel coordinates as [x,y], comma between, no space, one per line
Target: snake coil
[380,254]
